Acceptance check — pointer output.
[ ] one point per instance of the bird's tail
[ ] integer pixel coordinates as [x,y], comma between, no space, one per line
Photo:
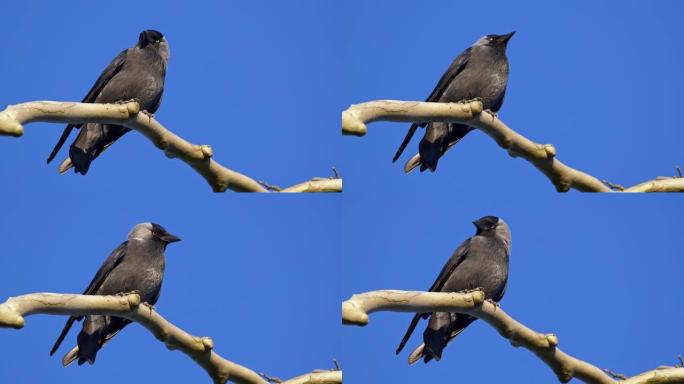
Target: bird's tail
[60,142]
[417,354]
[409,331]
[412,164]
[79,159]
[65,166]
[70,357]
[407,139]
[62,335]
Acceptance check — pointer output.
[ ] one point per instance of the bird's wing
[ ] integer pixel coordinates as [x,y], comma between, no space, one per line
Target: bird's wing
[454,69]
[107,267]
[112,69]
[112,261]
[157,101]
[456,259]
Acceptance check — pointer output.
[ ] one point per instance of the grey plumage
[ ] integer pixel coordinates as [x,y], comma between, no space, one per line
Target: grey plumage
[136,73]
[479,262]
[481,71]
[135,265]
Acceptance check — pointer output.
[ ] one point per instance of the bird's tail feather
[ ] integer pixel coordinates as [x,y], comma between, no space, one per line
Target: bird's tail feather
[65,166]
[60,142]
[412,164]
[62,335]
[407,138]
[79,159]
[409,331]
[417,354]
[70,357]
[415,161]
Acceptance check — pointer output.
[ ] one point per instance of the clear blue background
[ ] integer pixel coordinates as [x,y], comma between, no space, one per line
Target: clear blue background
[603,272]
[600,80]
[256,273]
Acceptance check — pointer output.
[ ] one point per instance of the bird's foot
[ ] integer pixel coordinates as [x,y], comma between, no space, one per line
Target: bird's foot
[127,101]
[471,290]
[494,114]
[466,101]
[149,115]
[127,293]
[149,306]
[494,303]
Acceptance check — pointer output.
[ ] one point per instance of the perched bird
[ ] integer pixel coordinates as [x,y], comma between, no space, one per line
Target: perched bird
[481,71]
[479,262]
[135,265]
[136,73]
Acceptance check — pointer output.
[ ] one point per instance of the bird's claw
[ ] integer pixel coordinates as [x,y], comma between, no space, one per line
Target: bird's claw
[127,101]
[149,306]
[494,303]
[494,114]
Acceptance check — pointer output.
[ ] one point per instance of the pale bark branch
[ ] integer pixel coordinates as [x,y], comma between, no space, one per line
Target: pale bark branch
[542,156]
[355,311]
[199,157]
[200,349]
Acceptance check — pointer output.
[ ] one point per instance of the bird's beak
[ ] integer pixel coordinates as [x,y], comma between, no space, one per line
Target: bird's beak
[504,38]
[169,238]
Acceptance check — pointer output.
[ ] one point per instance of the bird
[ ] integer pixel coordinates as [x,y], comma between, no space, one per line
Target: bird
[136,265]
[479,262]
[480,71]
[137,73]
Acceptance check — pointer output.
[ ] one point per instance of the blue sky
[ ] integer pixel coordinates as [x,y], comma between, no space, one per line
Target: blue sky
[600,80]
[264,84]
[256,273]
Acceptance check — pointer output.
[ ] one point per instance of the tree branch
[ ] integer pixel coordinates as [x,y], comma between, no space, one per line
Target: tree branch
[200,349]
[542,156]
[199,157]
[355,311]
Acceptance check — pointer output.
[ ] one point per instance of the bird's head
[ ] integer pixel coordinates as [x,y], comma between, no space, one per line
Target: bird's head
[152,231]
[493,226]
[150,37]
[499,41]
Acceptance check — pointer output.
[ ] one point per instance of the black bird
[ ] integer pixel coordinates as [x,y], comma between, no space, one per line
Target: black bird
[136,73]
[135,265]
[481,71]
[479,262]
